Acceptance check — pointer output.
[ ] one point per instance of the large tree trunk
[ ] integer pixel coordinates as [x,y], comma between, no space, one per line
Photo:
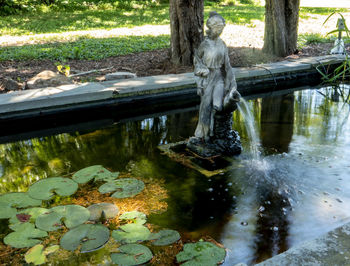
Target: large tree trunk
[281,26]
[186,20]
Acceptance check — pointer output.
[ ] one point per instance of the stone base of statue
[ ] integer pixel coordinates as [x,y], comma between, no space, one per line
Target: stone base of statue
[224,142]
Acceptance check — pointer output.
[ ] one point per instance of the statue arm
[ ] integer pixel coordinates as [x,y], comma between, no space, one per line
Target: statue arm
[230,79]
[200,69]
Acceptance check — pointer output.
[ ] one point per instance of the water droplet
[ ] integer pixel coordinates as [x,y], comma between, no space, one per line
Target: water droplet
[229,184]
[212,199]
[268,202]
[210,189]
[211,217]
[234,197]
[226,189]
[244,223]
[209,180]
[261,209]
[339,200]
[275,228]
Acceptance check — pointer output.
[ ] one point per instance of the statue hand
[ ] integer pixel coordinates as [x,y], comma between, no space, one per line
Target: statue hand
[203,72]
[200,91]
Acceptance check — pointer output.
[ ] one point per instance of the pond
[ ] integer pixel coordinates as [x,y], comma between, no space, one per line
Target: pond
[296,188]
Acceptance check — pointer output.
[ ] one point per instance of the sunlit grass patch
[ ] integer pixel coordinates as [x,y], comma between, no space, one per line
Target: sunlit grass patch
[87,48]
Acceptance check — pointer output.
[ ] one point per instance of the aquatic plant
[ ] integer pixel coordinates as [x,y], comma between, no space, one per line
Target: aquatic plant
[37,254]
[26,235]
[19,200]
[165,237]
[6,210]
[96,172]
[135,216]
[102,210]
[131,233]
[89,236]
[44,189]
[201,254]
[132,254]
[73,215]
[27,215]
[123,188]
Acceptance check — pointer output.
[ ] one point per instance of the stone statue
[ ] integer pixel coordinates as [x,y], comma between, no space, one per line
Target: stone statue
[217,88]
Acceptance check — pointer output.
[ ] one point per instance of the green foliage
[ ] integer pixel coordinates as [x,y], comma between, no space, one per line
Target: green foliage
[72,216]
[19,200]
[102,210]
[63,69]
[131,233]
[135,216]
[37,254]
[90,49]
[201,254]
[165,237]
[25,236]
[96,172]
[44,189]
[132,254]
[29,214]
[124,188]
[89,236]
[6,210]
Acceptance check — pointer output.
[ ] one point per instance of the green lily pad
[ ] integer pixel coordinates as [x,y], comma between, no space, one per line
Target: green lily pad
[25,236]
[37,254]
[89,236]
[73,215]
[165,237]
[132,254]
[124,188]
[131,233]
[201,254]
[137,217]
[109,210]
[6,210]
[44,188]
[28,215]
[19,200]
[97,172]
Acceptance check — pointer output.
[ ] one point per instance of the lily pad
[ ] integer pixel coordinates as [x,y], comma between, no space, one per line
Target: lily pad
[109,210]
[6,210]
[73,215]
[28,215]
[165,237]
[37,254]
[44,188]
[89,236]
[137,217]
[97,172]
[25,236]
[131,233]
[19,200]
[201,254]
[132,254]
[124,188]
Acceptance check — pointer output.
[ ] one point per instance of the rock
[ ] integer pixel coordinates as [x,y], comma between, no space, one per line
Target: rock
[7,84]
[47,78]
[120,75]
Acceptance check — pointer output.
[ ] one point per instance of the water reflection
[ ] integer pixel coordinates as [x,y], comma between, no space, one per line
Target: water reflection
[298,190]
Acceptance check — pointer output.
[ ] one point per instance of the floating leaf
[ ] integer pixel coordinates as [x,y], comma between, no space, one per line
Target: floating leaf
[109,209]
[201,254]
[132,254]
[125,187]
[37,254]
[73,215]
[6,210]
[165,237]
[97,172]
[44,188]
[19,200]
[24,236]
[89,236]
[131,233]
[137,217]
[28,215]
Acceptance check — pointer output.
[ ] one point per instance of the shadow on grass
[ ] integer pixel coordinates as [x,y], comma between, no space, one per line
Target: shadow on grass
[86,48]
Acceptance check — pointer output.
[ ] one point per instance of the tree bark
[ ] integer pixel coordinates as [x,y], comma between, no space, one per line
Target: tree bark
[281,26]
[186,25]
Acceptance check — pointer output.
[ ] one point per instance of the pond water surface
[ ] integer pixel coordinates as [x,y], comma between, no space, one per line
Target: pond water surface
[296,189]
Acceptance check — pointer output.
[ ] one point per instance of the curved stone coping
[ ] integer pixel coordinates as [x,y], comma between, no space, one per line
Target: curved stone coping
[68,95]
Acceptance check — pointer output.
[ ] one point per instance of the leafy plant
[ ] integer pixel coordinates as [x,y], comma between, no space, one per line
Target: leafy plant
[44,189]
[201,254]
[6,210]
[28,215]
[89,236]
[165,237]
[131,233]
[102,210]
[132,254]
[96,172]
[37,254]
[26,235]
[124,188]
[19,200]
[135,216]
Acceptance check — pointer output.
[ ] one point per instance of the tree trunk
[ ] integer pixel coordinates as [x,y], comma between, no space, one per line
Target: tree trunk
[281,26]
[186,20]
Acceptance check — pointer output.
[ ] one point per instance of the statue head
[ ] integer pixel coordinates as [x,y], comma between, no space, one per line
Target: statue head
[215,24]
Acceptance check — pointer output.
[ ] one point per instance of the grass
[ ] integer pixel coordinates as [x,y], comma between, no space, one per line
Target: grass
[86,48]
